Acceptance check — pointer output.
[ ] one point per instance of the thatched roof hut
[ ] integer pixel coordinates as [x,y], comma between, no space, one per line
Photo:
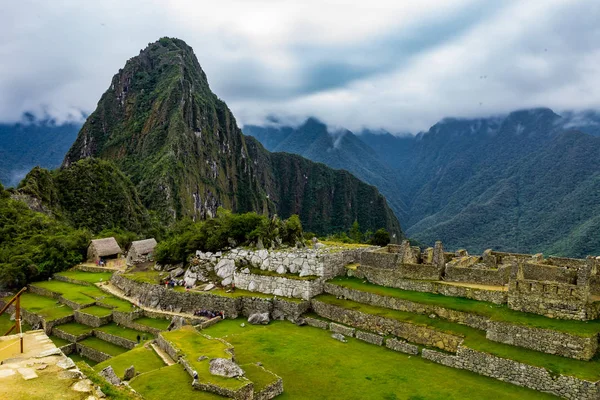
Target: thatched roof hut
[103,248]
[141,251]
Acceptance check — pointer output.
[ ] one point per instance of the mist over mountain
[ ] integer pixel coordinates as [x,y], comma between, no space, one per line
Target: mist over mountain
[518,182]
[33,142]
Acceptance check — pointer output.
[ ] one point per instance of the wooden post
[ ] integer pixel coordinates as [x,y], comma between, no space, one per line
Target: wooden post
[18,321]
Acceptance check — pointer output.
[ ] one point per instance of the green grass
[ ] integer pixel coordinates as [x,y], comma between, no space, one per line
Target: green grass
[143,359]
[475,339]
[495,312]
[152,277]
[76,357]
[123,332]
[157,323]
[97,311]
[258,271]
[169,382]
[260,377]
[314,366]
[101,345]
[111,392]
[83,295]
[45,307]
[58,342]
[192,345]
[6,324]
[90,277]
[74,328]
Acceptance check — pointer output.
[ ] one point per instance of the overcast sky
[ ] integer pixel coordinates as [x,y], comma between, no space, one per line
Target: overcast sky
[399,65]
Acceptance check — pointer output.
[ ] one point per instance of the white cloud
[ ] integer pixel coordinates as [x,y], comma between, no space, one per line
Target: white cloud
[397,65]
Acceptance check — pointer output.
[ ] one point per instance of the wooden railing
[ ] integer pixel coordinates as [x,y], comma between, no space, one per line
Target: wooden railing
[16,298]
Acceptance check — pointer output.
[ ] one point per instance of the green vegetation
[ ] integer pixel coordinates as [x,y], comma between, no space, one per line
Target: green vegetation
[347,371]
[6,324]
[103,346]
[496,312]
[58,342]
[218,233]
[158,323]
[192,345]
[45,307]
[123,332]
[76,357]
[144,359]
[260,377]
[74,328]
[90,277]
[84,295]
[166,382]
[476,339]
[34,245]
[112,392]
[96,311]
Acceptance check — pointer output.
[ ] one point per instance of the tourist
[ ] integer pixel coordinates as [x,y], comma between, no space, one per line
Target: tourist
[138,338]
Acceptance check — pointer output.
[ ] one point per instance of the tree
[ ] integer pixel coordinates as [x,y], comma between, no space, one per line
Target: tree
[381,237]
[355,233]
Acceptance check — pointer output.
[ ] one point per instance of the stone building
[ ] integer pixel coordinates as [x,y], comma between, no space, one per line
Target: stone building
[141,251]
[106,248]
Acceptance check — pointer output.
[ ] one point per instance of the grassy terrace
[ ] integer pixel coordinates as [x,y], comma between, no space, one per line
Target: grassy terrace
[84,294]
[97,311]
[58,342]
[259,376]
[74,328]
[493,311]
[167,382]
[123,332]
[101,345]
[192,345]
[475,339]
[76,357]
[314,366]
[45,307]
[90,277]
[6,324]
[142,358]
[157,323]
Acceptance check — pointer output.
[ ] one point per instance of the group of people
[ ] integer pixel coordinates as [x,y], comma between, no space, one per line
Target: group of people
[171,283]
[209,314]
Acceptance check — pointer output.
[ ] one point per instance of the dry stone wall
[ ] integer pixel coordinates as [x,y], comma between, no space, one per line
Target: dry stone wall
[544,340]
[411,332]
[401,346]
[91,320]
[369,337]
[486,276]
[279,286]
[118,340]
[92,354]
[386,277]
[517,373]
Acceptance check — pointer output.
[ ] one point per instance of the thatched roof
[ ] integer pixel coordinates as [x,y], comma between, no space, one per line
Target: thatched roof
[106,247]
[143,246]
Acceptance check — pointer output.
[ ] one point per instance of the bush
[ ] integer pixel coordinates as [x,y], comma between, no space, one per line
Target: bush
[381,237]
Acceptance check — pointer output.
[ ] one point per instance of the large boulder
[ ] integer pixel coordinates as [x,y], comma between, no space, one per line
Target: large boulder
[339,337]
[259,319]
[225,367]
[109,374]
[225,268]
[129,373]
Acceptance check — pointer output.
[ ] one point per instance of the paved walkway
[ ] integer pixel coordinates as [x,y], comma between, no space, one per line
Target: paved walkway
[476,286]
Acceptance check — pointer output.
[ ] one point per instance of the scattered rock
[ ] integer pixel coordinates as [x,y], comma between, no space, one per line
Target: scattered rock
[340,337]
[278,315]
[319,246]
[41,367]
[84,385]
[432,316]
[27,373]
[70,374]
[129,373]
[52,352]
[109,374]
[242,324]
[99,393]
[202,358]
[177,272]
[245,271]
[300,321]
[225,367]
[66,363]
[259,319]
[208,287]
[13,316]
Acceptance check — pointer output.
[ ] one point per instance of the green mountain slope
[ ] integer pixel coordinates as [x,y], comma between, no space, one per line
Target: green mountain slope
[180,145]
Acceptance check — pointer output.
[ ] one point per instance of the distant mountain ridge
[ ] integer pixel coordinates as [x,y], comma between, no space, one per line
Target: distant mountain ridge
[518,182]
[33,142]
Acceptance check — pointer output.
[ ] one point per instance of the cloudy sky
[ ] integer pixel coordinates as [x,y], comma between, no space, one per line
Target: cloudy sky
[398,65]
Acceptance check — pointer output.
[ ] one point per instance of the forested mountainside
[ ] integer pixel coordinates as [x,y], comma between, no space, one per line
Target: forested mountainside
[340,150]
[520,182]
[161,125]
[31,143]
